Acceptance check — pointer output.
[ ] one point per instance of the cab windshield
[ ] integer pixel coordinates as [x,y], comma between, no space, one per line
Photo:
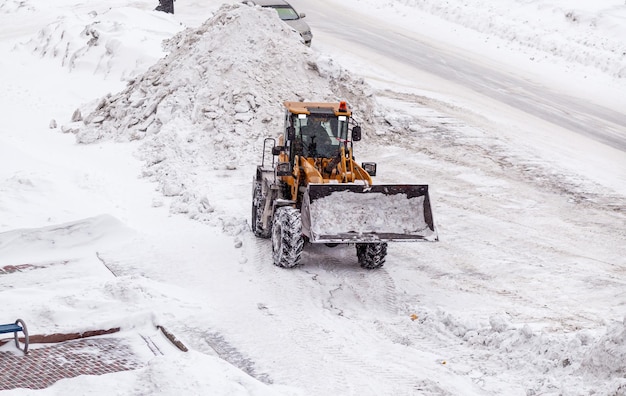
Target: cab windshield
[320,135]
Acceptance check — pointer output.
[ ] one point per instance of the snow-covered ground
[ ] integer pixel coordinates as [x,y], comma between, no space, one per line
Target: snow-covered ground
[125,184]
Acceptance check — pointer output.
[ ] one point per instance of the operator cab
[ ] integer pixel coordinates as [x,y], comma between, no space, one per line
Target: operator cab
[319,135]
[319,130]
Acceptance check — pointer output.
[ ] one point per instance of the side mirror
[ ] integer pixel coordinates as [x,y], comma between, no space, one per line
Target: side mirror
[302,15]
[283,169]
[291,133]
[276,150]
[356,133]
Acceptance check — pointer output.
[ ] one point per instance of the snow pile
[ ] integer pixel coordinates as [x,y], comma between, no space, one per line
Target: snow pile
[205,374]
[598,360]
[102,43]
[606,359]
[208,105]
[11,6]
[54,239]
[344,213]
[596,34]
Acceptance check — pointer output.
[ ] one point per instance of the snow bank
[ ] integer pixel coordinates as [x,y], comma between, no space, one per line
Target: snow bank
[606,358]
[208,105]
[96,231]
[104,43]
[12,6]
[545,357]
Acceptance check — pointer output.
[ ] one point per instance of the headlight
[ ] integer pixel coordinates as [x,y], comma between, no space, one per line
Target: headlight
[369,167]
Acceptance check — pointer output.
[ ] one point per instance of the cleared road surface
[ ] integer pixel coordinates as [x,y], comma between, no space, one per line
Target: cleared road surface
[597,122]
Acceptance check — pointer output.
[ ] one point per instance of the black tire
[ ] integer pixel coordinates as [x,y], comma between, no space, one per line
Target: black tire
[287,240]
[258,204]
[371,255]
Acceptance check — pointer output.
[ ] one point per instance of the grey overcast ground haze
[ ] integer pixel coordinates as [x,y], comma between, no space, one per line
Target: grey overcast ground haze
[128,142]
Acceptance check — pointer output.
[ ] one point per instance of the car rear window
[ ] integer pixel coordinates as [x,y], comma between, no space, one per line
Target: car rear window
[286,13]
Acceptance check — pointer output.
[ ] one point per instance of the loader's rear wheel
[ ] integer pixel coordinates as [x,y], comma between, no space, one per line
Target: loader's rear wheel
[371,255]
[258,205]
[287,240]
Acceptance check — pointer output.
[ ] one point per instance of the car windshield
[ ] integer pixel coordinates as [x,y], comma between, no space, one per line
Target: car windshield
[286,13]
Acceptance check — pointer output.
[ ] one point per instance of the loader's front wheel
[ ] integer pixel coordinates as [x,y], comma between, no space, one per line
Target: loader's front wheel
[287,240]
[258,205]
[371,255]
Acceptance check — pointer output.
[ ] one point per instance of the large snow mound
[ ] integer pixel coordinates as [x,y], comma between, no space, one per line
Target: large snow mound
[208,105]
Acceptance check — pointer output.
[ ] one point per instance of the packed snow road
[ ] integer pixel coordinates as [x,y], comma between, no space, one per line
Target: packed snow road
[513,223]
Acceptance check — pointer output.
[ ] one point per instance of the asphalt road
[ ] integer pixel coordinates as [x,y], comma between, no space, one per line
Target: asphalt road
[574,114]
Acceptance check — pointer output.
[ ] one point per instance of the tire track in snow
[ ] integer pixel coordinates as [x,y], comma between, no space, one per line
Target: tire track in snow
[327,321]
[371,290]
[475,194]
[446,138]
[290,300]
[359,295]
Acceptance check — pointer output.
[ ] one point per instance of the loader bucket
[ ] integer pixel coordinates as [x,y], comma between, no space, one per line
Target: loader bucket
[355,213]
